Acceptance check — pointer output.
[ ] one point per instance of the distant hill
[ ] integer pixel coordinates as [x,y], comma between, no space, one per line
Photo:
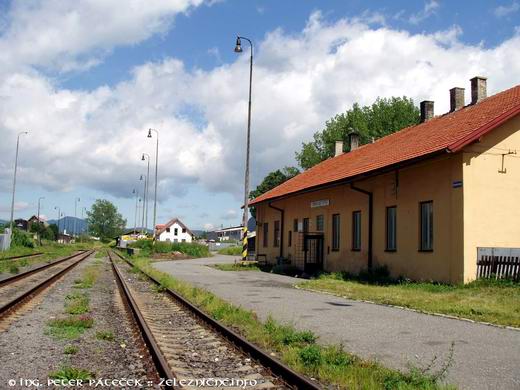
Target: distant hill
[67,223]
[2,222]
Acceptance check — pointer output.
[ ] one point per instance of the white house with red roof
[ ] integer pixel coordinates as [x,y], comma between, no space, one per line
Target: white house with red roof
[174,231]
[435,201]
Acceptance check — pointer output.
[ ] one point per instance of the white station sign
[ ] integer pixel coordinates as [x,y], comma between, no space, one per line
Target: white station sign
[319,203]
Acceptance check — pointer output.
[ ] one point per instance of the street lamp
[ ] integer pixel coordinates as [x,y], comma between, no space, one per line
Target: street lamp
[145,178]
[75,216]
[14,177]
[59,213]
[83,209]
[238,49]
[155,192]
[38,221]
[146,197]
[134,191]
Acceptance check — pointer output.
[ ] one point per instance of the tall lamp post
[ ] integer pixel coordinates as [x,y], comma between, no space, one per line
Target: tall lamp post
[238,49]
[145,178]
[14,177]
[38,219]
[75,215]
[59,214]
[83,209]
[134,191]
[155,192]
[146,197]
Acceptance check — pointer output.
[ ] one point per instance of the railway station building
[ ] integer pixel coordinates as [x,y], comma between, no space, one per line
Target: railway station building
[421,201]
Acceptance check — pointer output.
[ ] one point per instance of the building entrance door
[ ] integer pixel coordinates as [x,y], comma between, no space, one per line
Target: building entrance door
[313,253]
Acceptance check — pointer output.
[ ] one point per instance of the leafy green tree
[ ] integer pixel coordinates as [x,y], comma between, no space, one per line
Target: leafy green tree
[54,230]
[272,180]
[383,117]
[104,221]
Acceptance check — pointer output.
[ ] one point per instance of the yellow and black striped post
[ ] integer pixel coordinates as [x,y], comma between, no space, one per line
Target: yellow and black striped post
[244,244]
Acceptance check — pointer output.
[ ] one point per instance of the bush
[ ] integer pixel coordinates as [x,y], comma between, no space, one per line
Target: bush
[231,250]
[21,238]
[188,248]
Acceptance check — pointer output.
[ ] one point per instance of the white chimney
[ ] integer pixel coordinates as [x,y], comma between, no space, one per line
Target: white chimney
[339,148]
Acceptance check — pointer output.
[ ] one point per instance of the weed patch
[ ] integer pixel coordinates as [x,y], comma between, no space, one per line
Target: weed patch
[77,303]
[70,373]
[70,350]
[236,267]
[70,327]
[105,335]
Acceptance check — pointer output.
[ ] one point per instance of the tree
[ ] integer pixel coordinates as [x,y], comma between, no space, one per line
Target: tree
[104,221]
[272,180]
[383,117]
[54,230]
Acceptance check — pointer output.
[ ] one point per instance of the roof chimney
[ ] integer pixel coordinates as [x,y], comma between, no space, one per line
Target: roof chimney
[478,89]
[339,148]
[353,138]
[426,110]
[456,99]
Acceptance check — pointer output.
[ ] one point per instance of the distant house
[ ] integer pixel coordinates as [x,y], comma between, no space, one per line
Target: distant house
[174,231]
[35,219]
[20,223]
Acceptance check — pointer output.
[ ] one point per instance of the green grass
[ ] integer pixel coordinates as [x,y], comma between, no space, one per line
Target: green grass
[70,350]
[492,301]
[51,251]
[70,373]
[70,327]
[77,303]
[88,278]
[298,349]
[236,267]
[105,335]
[231,251]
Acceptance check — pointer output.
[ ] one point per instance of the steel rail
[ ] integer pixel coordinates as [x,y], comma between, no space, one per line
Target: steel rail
[158,358]
[21,256]
[42,285]
[291,377]
[25,274]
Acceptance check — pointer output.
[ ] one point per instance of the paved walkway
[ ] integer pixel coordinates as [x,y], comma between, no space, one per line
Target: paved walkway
[485,357]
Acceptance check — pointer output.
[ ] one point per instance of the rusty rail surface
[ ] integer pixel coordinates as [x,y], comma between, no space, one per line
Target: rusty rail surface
[21,256]
[291,377]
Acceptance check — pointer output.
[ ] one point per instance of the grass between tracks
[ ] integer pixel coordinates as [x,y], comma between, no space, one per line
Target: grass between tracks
[51,251]
[494,301]
[299,349]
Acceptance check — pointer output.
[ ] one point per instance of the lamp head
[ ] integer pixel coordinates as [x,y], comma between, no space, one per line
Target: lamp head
[149,133]
[133,191]
[141,178]
[238,46]
[142,157]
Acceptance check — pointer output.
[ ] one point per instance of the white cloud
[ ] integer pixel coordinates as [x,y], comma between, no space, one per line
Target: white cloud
[505,10]
[429,9]
[18,206]
[72,35]
[94,138]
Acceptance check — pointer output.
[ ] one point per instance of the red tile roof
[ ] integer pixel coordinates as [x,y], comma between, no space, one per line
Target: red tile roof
[447,133]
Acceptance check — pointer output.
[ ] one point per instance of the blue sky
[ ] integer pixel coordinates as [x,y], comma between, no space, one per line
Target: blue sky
[88,80]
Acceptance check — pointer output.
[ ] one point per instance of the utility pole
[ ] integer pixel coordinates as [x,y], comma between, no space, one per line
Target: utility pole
[14,178]
[75,216]
[156,166]
[38,217]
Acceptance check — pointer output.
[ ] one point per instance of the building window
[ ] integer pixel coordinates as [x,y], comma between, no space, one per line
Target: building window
[335,232]
[167,230]
[305,225]
[266,234]
[183,240]
[295,225]
[175,231]
[290,238]
[426,221]
[276,242]
[356,230]
[391,228]
[184,230]
[319,223]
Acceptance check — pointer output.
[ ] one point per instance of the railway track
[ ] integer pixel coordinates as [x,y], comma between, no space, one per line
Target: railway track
[20,288]
[19,257]
[186,344]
